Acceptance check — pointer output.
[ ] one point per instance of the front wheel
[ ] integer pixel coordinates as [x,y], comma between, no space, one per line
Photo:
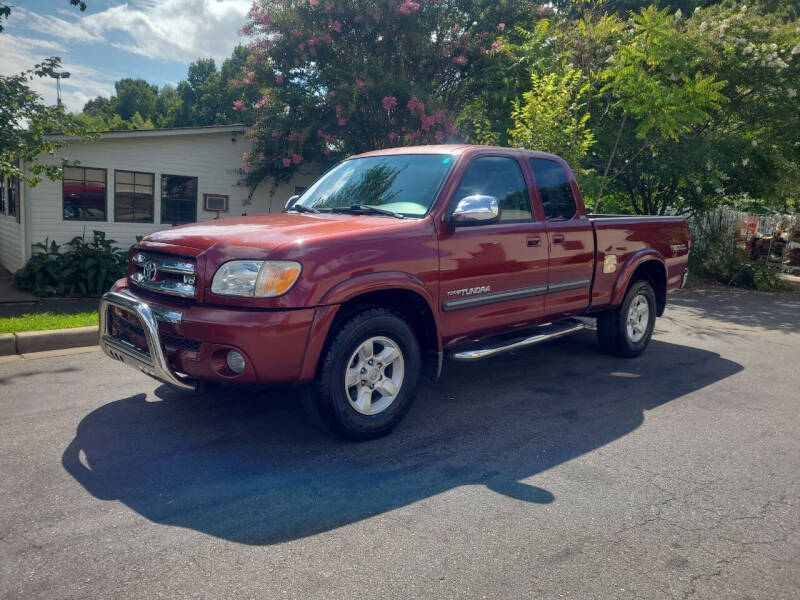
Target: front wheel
[626,330]
[369,376]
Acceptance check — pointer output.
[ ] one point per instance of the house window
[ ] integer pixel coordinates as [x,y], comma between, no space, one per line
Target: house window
[84,194]
[13,194]
[178,199]
[133,197]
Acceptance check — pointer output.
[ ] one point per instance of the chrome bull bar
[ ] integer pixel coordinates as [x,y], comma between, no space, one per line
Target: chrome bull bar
[154,362]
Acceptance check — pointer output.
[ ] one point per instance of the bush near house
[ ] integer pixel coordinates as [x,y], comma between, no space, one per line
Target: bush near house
[77,268]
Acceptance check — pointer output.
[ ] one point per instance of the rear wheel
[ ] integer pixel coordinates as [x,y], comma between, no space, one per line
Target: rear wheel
[369,376]
[626,330]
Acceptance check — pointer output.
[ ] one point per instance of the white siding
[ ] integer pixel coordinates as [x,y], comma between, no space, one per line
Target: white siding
[10,243]
[214,158]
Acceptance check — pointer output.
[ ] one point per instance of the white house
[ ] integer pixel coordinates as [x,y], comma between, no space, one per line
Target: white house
[131,183]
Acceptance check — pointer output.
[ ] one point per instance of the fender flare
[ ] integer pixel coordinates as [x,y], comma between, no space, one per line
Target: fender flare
[329,303]
[375,282]
[633,262]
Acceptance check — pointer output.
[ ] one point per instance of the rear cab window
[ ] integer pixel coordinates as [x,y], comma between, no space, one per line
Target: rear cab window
[554,188]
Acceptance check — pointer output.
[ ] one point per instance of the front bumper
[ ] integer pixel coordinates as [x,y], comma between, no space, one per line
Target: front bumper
[273,342]
[152,362]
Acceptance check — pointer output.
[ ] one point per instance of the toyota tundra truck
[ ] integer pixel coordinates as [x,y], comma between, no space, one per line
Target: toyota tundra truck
[392,262]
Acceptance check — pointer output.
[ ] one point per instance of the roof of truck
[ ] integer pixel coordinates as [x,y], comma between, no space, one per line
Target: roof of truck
[449,149]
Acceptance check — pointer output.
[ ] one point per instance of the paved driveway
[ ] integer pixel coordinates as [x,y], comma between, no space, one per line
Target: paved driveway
[552,472]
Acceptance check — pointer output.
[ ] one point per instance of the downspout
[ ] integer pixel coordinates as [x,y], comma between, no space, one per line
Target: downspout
[24,217]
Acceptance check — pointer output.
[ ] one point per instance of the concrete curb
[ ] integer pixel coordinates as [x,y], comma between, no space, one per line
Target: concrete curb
[27,342]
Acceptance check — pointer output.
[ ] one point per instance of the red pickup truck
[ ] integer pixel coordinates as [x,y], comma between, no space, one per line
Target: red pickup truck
[390,262]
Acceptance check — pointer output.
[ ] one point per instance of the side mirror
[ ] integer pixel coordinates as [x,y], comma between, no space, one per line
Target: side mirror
[290,202]
[476,210]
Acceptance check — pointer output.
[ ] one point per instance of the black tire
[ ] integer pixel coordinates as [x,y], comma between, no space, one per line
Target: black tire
[329,402]
[612,326]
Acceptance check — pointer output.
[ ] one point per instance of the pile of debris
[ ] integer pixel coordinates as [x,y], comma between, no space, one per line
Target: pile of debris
[793,247]
[782,246]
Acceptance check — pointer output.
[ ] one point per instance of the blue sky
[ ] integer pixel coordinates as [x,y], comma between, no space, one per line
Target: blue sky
[151,39]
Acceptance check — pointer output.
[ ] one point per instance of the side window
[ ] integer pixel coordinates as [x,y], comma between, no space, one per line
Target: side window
[178,199]
[84,194]
[554,189]
[501,177]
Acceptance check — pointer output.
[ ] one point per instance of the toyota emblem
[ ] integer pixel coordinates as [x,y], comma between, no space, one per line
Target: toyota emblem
[150,270]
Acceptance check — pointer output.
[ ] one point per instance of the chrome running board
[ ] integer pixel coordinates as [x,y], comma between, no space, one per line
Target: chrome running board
[492,346]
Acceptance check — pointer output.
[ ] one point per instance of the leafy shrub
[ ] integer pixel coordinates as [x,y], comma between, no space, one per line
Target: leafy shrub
[77,268]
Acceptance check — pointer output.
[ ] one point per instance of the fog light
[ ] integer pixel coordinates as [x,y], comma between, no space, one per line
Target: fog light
[235,361]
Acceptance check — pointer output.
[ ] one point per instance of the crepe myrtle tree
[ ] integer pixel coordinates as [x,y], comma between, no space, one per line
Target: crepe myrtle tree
[335,78]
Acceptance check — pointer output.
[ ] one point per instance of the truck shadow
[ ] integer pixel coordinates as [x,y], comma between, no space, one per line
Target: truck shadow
[247,467]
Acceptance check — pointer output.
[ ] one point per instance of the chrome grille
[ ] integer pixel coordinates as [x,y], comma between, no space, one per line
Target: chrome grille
[175,276]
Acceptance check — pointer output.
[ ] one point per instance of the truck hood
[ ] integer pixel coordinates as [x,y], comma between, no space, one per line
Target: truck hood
[266,232]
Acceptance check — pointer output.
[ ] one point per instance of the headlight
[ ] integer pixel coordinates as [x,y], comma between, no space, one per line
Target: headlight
[255,278]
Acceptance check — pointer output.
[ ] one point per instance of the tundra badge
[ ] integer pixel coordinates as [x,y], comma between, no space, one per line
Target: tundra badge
[481,289]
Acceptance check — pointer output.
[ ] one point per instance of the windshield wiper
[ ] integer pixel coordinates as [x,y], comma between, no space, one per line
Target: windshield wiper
[367,209]
[303,209]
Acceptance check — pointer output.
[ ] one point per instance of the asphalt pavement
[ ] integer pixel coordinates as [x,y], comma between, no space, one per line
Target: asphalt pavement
[554,472]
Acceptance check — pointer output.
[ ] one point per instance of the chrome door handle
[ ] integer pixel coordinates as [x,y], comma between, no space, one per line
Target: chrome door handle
[558,238]
[534,241]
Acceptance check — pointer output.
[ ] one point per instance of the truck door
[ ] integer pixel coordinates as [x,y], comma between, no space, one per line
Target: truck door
[492,276]
[570,238]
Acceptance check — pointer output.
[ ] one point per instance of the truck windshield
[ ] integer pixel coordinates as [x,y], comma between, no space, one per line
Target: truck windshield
[405,184]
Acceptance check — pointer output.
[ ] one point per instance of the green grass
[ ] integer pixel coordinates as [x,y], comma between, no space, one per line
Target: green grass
[46,320]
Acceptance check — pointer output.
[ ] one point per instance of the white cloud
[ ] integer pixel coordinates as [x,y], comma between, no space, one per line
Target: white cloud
[180,30]
[21,53]
[172,30]
[69,30]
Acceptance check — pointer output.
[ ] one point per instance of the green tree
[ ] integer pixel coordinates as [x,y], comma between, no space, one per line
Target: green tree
[553,115]
[24,122]
[135,95]
[687,112]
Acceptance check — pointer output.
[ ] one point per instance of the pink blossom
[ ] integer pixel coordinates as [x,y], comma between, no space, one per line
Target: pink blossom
[439,136]
[336,26]
[331,94]
[275,133]
[262,102]
[238,105]
[415,106]
[293,137]
[279,79]
[338,109]
[501,26]
[287,162]
[392,136]
[460,60]
[341,121]
[497,45]
[389,103]
[261,156]
[297,159]
[426,122]
[313,2]
[408,7]
[250,77]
